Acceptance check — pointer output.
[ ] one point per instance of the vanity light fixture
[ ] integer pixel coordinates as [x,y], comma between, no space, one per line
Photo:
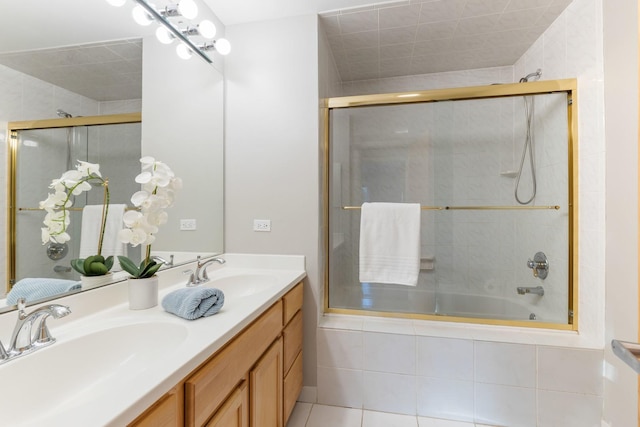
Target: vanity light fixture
[145,13]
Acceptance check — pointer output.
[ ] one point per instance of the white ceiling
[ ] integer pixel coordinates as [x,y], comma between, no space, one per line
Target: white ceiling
[391,38]
[428,36]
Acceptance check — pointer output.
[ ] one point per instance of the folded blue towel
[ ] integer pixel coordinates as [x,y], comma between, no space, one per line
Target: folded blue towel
[192,303]
[32,289]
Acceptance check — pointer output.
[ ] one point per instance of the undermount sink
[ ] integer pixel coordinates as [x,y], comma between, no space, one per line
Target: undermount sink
[82,364]
[243,285]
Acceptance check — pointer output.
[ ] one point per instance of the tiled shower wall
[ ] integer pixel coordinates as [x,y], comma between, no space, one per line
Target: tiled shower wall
[489,378]
[27,98]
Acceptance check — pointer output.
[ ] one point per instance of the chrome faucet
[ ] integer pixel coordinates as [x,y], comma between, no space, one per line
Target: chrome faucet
[538,290]
[201,276]
[23,339]
[161,260]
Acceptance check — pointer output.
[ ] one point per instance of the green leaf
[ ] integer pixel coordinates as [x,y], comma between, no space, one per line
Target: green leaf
[108,262]
[78,265]
[128,266]
[147,268]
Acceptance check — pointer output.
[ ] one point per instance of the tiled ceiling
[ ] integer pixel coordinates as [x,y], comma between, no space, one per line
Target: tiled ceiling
[107,71]
[428,36]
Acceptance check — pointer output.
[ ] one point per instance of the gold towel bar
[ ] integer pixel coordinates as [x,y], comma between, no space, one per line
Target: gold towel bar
[69,209]
[453,208]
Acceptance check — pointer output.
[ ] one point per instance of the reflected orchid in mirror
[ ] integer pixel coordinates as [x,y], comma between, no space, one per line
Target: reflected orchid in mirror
[158,187]
[73,183]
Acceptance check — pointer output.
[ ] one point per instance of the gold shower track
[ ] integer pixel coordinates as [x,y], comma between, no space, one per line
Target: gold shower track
[474,208]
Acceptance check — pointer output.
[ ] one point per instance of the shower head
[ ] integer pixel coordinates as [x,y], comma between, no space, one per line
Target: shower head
[537,75]
[63,114]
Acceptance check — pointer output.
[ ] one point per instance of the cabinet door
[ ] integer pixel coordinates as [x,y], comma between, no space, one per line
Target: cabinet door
[234,412]
[166,412]
[266,388]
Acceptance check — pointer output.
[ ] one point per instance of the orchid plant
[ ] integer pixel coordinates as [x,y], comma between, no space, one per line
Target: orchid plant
[73,183]
[159,185]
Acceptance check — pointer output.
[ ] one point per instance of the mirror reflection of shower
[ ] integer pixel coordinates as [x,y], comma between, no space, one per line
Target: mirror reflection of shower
[529,142]
[64,115]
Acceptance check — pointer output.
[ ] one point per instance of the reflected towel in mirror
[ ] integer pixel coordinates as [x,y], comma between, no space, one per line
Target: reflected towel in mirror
[32,289]
[193,303]
[89,235]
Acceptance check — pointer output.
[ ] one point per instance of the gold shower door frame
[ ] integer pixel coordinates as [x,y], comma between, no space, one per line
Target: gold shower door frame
[567,86]
[12,131]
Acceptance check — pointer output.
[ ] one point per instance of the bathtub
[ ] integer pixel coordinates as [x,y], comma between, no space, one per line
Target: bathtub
[481,306]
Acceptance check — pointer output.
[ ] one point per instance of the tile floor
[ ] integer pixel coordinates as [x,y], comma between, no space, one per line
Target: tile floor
[314,415]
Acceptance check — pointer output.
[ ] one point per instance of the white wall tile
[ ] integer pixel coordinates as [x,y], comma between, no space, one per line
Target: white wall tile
[570,370]
[568,409]
[444,358]
[390,392]
[445,398]
[341,387]
[505,406]
[390,353]
[507,364]
[340,349]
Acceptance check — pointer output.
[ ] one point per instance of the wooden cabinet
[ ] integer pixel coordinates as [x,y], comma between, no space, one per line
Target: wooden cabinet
[235,410]
[166,412]
[210,385]
[265,382]
[292,335]
[253,381]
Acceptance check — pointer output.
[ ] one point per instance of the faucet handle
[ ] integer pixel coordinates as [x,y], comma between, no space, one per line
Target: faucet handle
[22,304]
[192,281]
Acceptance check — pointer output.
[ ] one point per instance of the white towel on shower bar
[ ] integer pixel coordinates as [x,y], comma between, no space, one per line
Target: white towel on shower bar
[90,232]
[390,243]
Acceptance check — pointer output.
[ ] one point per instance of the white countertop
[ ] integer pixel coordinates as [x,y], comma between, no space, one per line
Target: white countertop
[125,375]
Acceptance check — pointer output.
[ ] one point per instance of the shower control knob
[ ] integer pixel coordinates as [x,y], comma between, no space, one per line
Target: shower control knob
[539,265]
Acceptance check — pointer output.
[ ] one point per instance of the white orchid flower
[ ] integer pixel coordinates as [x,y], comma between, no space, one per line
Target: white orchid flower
[88,169]
[71,183]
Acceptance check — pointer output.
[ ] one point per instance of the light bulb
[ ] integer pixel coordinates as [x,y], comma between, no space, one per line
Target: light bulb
[223,46]
[207,29]
[183,51]
[141,16]
[188,9]
[116,3]
[164,35]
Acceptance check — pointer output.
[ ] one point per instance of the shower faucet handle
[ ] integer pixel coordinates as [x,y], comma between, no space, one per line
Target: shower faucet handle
[539,265]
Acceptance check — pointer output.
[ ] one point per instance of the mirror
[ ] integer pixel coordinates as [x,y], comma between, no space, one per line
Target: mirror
[182,106]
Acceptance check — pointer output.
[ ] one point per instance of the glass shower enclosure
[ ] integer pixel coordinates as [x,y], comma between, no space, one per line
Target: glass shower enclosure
[493,169]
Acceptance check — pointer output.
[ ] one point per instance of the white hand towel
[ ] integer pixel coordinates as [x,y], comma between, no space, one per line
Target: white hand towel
[90,232]
[390,243]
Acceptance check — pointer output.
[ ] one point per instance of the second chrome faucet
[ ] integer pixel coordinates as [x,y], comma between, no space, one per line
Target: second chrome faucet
[200,276]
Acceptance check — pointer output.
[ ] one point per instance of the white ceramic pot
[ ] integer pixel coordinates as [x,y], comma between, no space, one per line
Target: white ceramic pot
[143,293]
[89,282]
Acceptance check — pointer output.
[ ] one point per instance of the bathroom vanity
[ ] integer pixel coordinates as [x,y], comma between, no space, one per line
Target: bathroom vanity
[112,366]
[253,380]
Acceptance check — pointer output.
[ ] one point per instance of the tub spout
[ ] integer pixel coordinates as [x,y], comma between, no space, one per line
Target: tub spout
[538,290]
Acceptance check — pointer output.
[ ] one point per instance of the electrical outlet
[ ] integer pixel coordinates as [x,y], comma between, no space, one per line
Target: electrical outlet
[261,225]
[187,224]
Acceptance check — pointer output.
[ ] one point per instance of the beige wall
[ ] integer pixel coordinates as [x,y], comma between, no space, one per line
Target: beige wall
[271,150]
[621,136]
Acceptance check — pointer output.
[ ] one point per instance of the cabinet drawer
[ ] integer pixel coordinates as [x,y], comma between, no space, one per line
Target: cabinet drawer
[292,386]
[292,303]
[214,381]
[292,340]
